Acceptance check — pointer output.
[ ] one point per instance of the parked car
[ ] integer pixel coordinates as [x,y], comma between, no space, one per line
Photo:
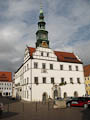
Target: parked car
[79,101]
[68,98]
[1,108]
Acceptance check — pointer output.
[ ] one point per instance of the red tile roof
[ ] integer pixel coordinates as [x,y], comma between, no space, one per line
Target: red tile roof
[67,57]
[31,50]
[62,56]
[5,76]
[87,70]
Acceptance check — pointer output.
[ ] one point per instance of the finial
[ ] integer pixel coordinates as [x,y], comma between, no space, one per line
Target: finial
[41,7]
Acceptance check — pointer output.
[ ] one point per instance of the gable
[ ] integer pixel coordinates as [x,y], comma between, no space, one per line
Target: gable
[61,56]
[87,70]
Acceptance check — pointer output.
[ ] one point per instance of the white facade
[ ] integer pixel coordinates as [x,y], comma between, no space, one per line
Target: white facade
[33,79]
[6,88]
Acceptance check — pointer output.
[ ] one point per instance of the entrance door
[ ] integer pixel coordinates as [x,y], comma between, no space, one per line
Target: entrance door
[55,94]
[44,97]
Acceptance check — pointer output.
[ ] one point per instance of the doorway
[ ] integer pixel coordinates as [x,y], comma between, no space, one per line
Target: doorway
[44,97]
[55,94]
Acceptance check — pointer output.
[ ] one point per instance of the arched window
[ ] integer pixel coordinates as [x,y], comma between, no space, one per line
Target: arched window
[75,94]
[65,95]
[55,94]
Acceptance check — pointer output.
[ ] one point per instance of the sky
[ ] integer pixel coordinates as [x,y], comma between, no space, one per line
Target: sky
[67,21]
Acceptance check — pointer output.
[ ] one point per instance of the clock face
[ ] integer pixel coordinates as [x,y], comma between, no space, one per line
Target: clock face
[44,36]
[44,44]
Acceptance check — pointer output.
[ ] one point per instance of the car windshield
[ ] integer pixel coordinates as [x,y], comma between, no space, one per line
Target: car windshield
[75,98]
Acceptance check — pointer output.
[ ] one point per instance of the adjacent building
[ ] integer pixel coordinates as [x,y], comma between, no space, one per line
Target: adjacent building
[5,84]
[87,78]
[46,73]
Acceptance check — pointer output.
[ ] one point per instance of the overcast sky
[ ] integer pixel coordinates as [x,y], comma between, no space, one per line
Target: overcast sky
[68,24]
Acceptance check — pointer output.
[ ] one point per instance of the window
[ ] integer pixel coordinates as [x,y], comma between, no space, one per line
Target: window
[78,80]
[35,65]
[52,80]
[76,68]
[43,66]
[44,80]
[27,80]
[41,53]
[61,67]
[27,66]
[36,80]
[47,54]
[71,80]
[62,80]
[51,66]
[70,67]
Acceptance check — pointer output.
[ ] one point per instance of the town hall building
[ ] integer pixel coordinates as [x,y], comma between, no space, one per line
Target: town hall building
[46,73]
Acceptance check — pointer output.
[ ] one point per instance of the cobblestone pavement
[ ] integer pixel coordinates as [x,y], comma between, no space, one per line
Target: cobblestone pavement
[16,110]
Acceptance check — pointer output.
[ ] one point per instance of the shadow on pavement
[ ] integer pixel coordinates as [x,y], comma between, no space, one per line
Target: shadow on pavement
[8,115]
[7,100]
[86,114]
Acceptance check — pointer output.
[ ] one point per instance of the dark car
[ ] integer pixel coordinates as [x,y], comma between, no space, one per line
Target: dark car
[79,101]
[1,108]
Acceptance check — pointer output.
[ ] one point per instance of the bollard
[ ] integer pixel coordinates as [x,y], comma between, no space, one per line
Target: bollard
[23,110]
[36,106]
[48,105]
[8,108]
[23,107]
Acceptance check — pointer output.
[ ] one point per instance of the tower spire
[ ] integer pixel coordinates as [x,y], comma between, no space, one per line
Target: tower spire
[41,6]
[41,34]
[41,16]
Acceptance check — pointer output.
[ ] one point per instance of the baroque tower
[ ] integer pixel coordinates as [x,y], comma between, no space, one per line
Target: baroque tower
[42,34]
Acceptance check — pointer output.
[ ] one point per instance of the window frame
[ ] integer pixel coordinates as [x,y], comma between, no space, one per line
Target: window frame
[51,66]
[36,80]
[52,80]
[44,80]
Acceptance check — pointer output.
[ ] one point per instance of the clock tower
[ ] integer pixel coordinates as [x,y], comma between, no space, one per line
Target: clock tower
[42,34]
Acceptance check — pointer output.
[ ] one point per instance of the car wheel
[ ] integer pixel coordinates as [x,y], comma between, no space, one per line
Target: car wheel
[68,105]
[85,106]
